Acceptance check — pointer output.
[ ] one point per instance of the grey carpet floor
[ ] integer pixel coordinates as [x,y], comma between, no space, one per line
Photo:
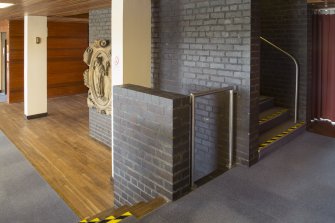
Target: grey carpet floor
[293,184]
[24,196]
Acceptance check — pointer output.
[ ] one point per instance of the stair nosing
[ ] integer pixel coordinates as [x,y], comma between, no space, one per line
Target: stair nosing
[280,136]
[273,116]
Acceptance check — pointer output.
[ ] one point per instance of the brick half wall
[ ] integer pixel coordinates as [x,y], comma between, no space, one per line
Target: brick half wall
[151,144]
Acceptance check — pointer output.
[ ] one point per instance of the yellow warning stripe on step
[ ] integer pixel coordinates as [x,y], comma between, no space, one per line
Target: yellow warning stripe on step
[281,135]
[110,219]
[272,116]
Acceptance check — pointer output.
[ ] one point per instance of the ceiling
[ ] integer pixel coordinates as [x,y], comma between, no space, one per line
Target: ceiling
[50,7]
[330,2]
[66,7]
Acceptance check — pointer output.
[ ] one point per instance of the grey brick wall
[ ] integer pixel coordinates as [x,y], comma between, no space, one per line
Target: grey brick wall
[310,12]
[285,24]
[100,127]
[151,144]
[254,82]
[199,45]
[211,134]
[100,28]
[100,24]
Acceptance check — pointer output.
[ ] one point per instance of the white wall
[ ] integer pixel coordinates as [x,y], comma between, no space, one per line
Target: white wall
[131,42]
[137,42]
[35,65]
[131,45]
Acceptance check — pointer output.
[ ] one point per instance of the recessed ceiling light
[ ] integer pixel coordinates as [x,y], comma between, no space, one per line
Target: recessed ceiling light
[5,5]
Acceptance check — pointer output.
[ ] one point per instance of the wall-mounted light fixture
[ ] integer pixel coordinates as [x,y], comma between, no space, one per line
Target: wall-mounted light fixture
[5,5]
[38,40]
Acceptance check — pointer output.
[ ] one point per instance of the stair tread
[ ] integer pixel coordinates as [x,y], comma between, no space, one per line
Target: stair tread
[148,207]
[271,111]
[263,98]
[111,212]
[131,219]
[138,210]
[276,130]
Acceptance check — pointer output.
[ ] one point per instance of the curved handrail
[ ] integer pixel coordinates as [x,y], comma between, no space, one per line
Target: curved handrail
[296,74]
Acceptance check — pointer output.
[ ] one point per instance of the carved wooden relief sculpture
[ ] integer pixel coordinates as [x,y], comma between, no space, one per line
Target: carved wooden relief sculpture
[98,77]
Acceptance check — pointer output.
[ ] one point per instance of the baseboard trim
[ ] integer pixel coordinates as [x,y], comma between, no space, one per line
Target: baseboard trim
[30,117]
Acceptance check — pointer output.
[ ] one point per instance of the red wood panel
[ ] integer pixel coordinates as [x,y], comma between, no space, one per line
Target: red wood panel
[67,42]
[16,63]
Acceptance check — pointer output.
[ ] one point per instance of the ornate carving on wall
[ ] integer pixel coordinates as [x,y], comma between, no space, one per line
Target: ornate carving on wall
[98,77]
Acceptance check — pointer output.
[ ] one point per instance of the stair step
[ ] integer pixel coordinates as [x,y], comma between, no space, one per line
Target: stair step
[140,211]
[131,219]
[279,136]
[272,118]
[110,212]
[265,103]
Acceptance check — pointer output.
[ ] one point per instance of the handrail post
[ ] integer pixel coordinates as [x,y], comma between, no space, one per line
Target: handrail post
[231,128]
[296,105]
[296,93]
[192,153]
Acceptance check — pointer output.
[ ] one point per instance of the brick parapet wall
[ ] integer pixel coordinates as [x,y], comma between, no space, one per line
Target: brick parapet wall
[151,144]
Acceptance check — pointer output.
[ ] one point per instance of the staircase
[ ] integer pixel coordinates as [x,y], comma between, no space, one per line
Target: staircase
[276,126]
[126,214]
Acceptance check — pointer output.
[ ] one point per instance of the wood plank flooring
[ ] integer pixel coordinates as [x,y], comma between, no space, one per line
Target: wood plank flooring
[59,147]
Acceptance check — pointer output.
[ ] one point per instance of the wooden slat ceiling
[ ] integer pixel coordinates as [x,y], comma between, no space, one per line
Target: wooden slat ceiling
[320,1]
[66,7]
[50,7]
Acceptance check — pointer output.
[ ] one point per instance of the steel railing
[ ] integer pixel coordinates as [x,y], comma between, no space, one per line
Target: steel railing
[231,125]
[296,74]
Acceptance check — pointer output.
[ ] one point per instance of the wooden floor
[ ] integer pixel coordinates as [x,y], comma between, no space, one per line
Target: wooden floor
[60,148]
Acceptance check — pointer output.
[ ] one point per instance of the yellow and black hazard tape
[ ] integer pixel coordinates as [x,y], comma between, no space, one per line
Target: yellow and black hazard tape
[110,219]
[281,135]
[272,116]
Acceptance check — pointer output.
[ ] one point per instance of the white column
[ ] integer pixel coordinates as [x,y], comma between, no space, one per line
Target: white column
[131,45]
[35,66]
[131,42]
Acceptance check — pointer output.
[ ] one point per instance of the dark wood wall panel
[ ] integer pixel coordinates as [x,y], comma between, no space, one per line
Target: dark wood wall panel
[67,42]
[4,28]
[16,61]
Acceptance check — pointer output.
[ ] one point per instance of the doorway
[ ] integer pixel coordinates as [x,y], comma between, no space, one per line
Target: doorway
[3,67]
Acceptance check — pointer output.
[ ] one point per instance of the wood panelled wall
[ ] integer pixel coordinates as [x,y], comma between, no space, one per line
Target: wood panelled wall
[4,26]
[67,42]
[16,63]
